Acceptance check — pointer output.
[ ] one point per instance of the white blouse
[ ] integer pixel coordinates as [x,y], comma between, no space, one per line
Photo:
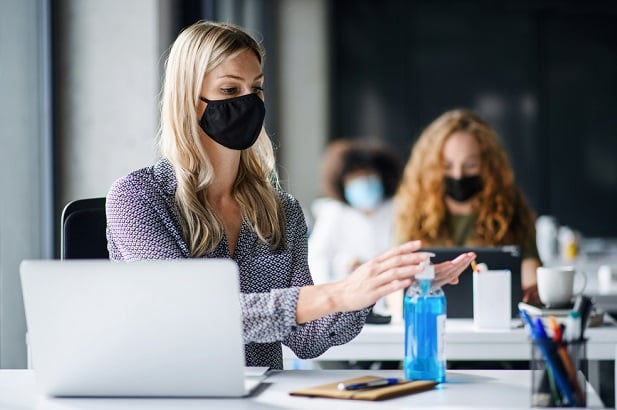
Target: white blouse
[343,235]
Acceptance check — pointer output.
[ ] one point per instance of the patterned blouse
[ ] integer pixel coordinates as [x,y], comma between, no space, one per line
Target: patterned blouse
[143,223]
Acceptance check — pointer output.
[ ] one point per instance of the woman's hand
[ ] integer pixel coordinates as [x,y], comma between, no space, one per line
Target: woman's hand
[530,295]
[391,271]
[448,272]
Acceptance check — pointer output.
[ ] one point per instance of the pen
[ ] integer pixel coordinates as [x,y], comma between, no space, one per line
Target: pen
[368,385]
[540,331]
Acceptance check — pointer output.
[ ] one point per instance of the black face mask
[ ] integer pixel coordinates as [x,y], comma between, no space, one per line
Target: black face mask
[462,189]
[234,123]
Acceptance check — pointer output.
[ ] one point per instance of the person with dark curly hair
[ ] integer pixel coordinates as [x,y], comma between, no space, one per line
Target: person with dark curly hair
[353,221]
[458,189]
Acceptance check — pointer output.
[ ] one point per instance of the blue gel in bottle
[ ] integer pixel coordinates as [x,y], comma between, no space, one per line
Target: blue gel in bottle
[425,319]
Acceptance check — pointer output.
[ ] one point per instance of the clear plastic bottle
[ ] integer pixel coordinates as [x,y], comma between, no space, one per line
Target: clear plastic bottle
[425,320]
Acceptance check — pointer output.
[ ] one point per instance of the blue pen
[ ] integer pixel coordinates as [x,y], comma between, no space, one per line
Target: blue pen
[367,385]
[550,357]
[527,320]
[540,331]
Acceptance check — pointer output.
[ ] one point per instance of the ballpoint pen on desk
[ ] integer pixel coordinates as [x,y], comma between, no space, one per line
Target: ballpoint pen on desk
[546,347]
[369,385]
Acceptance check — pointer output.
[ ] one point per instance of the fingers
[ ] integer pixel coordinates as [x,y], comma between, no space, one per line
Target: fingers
[393,286]
[406,248]
[530,295]
[395,262]
[397,274]
[448,272]
[403,262]
[464,258]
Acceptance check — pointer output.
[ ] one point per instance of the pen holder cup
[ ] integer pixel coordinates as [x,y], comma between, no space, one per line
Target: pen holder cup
[558,373]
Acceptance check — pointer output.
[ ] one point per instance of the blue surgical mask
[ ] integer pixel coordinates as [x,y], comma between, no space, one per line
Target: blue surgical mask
[364,193]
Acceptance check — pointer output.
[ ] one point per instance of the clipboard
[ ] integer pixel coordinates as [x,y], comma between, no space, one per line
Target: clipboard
[330,390]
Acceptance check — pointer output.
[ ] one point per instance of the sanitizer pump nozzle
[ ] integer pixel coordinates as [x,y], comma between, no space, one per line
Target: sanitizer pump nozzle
[425,278]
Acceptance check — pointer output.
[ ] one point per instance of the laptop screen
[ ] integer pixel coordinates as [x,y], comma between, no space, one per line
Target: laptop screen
[459,298]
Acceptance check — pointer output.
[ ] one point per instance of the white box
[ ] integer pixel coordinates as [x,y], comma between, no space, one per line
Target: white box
[492,300]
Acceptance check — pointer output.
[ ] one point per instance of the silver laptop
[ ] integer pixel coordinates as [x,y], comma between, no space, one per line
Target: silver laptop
[147,328]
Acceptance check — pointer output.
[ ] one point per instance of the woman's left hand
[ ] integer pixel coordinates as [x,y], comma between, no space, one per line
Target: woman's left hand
[449,271]
[531,296]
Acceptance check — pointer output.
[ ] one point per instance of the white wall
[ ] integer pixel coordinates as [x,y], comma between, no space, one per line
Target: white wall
[107,120]
[108,84]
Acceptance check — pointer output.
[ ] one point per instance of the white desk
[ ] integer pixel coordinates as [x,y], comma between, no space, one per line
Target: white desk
[465,389]
[385,342]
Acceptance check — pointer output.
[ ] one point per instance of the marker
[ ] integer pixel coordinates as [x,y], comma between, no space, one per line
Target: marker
[573,326]
[557,335]
[368,385]
[583,305]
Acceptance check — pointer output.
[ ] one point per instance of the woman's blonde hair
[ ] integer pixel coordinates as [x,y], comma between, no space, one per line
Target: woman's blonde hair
[503,216]
[199,49]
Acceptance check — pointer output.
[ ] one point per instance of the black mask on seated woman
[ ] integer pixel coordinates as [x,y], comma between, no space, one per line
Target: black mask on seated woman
[464,188]
[234,123]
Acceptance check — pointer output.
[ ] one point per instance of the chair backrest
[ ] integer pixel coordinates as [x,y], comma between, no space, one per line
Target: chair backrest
[83,234]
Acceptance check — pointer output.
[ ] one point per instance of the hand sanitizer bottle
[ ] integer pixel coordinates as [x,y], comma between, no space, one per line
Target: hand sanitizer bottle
[425,320]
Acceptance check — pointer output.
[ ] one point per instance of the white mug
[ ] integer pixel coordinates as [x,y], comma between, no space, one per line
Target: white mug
[556,285]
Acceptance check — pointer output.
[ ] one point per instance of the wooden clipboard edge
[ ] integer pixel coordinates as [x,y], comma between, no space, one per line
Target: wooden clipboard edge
[330,390]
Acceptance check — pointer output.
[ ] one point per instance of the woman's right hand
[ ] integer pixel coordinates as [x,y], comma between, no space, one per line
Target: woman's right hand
[389,272]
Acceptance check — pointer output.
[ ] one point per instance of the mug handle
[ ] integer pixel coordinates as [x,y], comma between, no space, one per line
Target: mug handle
[580,292]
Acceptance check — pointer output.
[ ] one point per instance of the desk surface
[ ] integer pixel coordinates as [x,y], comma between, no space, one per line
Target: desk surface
[464,389]
[385,342]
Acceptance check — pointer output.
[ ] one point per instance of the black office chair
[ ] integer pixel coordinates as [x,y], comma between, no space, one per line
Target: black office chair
[83,234]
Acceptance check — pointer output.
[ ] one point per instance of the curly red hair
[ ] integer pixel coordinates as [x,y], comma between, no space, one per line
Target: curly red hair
[503,216]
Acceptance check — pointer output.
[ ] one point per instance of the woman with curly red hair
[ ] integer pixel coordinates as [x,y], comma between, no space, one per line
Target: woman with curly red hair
[458,189]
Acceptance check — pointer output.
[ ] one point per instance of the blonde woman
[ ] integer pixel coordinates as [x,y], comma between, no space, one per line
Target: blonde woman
[214,194]
[458,189]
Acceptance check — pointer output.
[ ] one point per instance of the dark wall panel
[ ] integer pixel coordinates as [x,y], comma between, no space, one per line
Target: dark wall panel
[582,121]
[543,75]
